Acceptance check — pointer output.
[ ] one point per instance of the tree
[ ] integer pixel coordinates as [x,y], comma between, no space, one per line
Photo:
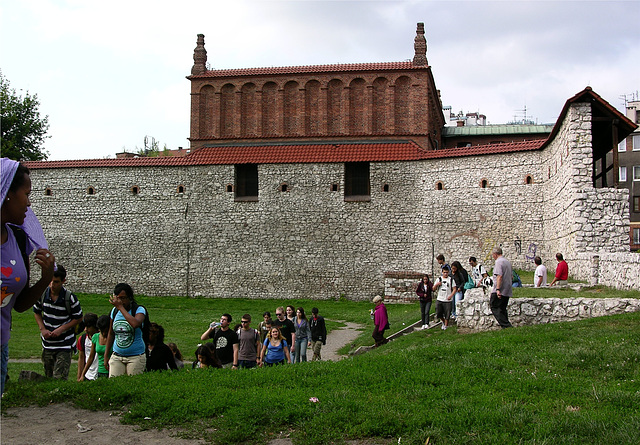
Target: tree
[23,130]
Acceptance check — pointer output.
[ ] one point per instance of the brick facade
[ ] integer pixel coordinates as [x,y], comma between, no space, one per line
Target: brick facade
[374,101]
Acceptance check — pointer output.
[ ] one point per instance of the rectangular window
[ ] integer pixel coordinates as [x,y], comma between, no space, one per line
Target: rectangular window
[636,172]
[622,146]
[246,182]
[622,174]
[636,142]
[636,204]
[356,181]
[636,236]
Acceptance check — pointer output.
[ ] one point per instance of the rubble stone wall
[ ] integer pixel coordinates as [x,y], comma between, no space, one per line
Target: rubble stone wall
[474,311]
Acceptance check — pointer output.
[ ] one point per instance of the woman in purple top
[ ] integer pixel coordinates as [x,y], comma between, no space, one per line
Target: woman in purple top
[21,235]
[380,321]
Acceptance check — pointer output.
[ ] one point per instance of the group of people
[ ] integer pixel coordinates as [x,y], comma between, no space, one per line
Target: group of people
[284,339]
[455,280]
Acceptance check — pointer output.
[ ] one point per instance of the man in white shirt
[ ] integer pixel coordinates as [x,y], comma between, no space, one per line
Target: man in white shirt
[478,272]
[540,275]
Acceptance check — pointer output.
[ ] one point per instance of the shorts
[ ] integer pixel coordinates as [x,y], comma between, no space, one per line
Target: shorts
[443,310]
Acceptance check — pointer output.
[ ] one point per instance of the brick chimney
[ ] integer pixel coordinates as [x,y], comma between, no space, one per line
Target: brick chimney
[199,57]
[420,47]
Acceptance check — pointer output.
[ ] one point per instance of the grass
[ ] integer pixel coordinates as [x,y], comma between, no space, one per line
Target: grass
[564,383]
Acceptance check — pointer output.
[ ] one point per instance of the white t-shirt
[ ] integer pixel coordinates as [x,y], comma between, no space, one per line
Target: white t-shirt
[445,288]
[478,272]
[541,271]
[92,373]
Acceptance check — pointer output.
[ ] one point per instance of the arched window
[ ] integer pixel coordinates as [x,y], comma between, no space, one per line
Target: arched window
[439,185]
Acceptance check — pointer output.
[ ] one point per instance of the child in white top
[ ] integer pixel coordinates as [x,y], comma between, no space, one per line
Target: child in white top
[446,290]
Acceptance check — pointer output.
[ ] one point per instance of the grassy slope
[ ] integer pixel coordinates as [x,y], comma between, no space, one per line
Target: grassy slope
[562,383]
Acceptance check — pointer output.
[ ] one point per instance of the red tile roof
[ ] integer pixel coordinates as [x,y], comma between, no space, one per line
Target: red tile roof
[298,154]
[382,66]
[489,149]
[310,153]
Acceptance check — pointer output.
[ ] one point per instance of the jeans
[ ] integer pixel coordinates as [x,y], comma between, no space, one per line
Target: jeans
[425,308]
[5,362]
[458,297]
[247,364]
[301,350]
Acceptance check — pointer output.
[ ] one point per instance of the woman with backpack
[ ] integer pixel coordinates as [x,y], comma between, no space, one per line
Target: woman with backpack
[275,350]
[125,334]
[21,235]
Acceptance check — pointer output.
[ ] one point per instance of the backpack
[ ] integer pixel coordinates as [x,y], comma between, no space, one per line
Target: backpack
[470,284]
[67,304]
[21,239]
[256,334]
[145,324]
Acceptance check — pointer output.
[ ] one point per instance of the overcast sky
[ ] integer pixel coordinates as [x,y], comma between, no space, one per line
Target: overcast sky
[109,73]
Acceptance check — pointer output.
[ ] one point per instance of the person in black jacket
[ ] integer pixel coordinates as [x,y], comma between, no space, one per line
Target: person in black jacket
[424,291]
[160,355]
[318,333]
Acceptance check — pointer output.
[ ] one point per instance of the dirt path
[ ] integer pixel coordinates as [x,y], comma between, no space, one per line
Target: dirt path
[62,423]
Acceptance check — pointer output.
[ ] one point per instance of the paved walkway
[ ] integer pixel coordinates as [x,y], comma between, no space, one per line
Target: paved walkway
[338,338]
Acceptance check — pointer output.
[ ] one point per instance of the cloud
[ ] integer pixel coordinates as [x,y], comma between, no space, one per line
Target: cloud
[107,73]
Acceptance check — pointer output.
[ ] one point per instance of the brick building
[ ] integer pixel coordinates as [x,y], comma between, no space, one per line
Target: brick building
[629,172]
[326,104]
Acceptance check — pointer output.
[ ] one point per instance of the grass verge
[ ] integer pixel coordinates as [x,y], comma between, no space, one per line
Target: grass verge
[564,383]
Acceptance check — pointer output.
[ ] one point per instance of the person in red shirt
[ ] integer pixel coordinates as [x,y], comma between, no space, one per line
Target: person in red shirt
[562,271]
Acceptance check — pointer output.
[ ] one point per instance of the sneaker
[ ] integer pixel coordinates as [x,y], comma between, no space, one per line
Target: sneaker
[443,327]
[425,326]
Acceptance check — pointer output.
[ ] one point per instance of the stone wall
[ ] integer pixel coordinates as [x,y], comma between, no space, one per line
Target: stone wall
[474,311]
[617,270]
[182,233]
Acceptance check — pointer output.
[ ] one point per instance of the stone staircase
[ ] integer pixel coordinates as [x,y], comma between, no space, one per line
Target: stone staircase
[404,331]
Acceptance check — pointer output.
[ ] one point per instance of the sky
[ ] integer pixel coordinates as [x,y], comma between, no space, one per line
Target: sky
[107,74]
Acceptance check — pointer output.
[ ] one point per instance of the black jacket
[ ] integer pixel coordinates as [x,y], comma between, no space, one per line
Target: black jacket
[318,329]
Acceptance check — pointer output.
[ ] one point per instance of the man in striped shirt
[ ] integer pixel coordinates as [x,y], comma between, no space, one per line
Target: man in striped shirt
[57,315]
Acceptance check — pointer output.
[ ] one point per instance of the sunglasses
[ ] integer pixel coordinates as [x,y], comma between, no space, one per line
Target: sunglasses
[245,321]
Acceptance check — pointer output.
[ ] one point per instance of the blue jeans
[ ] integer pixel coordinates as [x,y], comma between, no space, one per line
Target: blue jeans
[247,364]
[5,362]
[301,350]
[458,297]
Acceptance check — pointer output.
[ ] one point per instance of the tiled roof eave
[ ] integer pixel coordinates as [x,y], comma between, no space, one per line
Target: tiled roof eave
[310,69]
[488,149]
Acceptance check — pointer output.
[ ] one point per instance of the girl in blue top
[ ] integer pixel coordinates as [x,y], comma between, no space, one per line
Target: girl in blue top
[125,334]
[275,349]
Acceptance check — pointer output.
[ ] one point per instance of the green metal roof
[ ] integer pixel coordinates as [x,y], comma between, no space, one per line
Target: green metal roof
[486,130]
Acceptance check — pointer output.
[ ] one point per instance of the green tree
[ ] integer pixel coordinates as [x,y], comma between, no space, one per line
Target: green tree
[23,130]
